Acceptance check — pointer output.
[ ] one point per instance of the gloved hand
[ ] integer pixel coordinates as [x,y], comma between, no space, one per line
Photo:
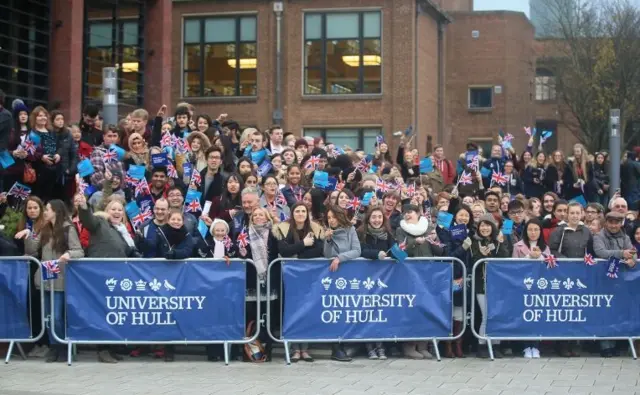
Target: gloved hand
[466,244]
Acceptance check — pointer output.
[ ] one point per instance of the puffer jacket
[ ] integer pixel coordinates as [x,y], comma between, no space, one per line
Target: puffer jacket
[410,232]
[569,243]
[609,245]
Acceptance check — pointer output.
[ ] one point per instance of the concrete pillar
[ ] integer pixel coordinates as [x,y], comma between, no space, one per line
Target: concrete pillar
[65,65]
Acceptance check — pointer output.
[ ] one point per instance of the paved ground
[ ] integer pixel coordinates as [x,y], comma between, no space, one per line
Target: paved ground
[190,375]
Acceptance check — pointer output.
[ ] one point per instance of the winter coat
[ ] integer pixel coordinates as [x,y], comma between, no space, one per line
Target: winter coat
[568,243]
[608,245]
[446,168]
[600,176]
[531,187]
[67,151]
[293,194]
[282,210]
[344,245]
[569,179]
[514,185]
[410,232]
[204,248]
[47,252]
[289,248]
[630,183]
[552,179]
[182,250]
[404,167]
[372,245]
[454,249]
[215,188]
[149,240]
[500,251]
[106,241]
[522,250]
[6,124]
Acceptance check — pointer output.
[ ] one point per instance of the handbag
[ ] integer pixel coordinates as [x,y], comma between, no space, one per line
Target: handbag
[29,174]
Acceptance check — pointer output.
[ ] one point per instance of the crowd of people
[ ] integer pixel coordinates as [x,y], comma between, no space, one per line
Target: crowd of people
[187,185]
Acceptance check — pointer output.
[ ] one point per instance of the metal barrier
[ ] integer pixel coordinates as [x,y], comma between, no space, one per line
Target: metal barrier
[433,340]
[489,339]
[71,342]
[16,342]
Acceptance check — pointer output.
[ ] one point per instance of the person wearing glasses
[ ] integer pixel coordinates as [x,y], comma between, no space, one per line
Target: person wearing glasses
[213,177]
[592,212]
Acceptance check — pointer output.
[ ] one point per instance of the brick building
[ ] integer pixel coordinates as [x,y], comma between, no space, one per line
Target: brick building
[349,69]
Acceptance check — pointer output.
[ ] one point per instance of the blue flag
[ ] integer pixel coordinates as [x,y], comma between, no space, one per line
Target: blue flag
[398,251]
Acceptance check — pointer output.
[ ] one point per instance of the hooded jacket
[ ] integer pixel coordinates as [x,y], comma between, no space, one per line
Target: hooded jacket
[611,245]
[569,243]
[344,245]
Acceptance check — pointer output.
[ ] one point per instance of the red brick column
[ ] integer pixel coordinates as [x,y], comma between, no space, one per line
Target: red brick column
[65,65]
[157,72]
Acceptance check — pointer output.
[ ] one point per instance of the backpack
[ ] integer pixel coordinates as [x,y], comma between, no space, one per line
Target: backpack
[254,351]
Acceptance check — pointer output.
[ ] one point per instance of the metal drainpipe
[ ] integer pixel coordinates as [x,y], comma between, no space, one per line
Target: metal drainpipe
[440,82]
[277,112]
[416,132]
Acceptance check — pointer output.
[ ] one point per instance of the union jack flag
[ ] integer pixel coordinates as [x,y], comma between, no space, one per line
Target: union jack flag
[51,270]
[433,241]
[498,178]
[227,242]
[280,199]
[193,206]
[166,140]
[363,165]
[171,171]
[142,188]
[196,180]
[411,190]
[551,261]
[354,203]
[129,180]
[382,185]
[29,146]
[527,130]
[403,245]
[508,138]
[141,218]
[475,163]
[109,156]
[283,217]
[183,146]
[339,186]
[589,260]
[312,162]
[82,186]
[465,179]
[20,191]
[243,238]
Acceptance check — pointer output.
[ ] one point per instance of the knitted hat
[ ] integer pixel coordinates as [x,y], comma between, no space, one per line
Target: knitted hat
[18,106]
[488,218]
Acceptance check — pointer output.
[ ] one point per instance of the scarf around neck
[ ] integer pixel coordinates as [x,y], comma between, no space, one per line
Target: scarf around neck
[258,238]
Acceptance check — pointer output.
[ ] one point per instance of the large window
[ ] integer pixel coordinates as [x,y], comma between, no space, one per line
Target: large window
[220,56]
[545,85]
[480,98]
[343,53]
[113,46]
[364,138]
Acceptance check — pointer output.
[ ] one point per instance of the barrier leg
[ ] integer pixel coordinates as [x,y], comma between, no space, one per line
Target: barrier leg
[287,358]
[9,351]
[435,349]
[633,349]
[490,348]
[21,351]
[225,345]
[69,353]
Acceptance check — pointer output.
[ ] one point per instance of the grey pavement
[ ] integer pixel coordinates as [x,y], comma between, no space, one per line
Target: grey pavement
[191,375]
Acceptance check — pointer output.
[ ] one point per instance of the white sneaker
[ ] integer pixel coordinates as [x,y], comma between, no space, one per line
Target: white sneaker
[527,353]
[535,353]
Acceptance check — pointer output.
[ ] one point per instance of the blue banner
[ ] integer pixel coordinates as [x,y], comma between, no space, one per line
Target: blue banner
[367,300]
[14,306]
[525,299]
[196,300]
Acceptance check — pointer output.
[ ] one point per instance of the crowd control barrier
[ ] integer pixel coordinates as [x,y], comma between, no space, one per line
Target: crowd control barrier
[155,301]
[366,301]
[15,303]
[527,301]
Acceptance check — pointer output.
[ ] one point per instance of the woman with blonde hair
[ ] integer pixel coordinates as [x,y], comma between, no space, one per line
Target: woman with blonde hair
[578,179]
[554,180]
[199,144]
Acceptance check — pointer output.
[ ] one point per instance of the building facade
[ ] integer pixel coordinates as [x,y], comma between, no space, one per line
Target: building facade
[346,70]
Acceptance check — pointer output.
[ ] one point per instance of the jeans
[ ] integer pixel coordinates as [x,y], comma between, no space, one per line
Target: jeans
[482,301]
[58,317]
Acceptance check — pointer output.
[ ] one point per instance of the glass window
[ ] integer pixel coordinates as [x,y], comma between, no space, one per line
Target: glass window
[352,137]
[101,53]
[220,57]
[343,53]
[545,85]
[480,97]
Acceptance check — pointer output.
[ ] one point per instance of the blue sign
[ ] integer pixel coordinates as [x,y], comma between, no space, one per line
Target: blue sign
[367,300]
[6,160]
[525,299]
[444,219]
[14,288]
[458,232]
[155,301]
[320,178]
[137,171]
[85,168]
[580,199]
[159,160]
[507,227]
[426,165]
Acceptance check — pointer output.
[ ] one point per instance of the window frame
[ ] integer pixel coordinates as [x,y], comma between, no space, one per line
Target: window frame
[201,19]
[323,39]
[548,91]
[360,132]
[480,109]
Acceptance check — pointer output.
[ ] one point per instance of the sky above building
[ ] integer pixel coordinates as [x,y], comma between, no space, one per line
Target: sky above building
[512,5]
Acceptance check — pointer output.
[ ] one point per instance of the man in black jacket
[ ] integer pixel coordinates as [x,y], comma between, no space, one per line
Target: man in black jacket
[90,134]
[213,178]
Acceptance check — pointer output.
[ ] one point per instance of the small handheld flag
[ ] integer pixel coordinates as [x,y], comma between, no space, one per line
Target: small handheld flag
[551,261]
